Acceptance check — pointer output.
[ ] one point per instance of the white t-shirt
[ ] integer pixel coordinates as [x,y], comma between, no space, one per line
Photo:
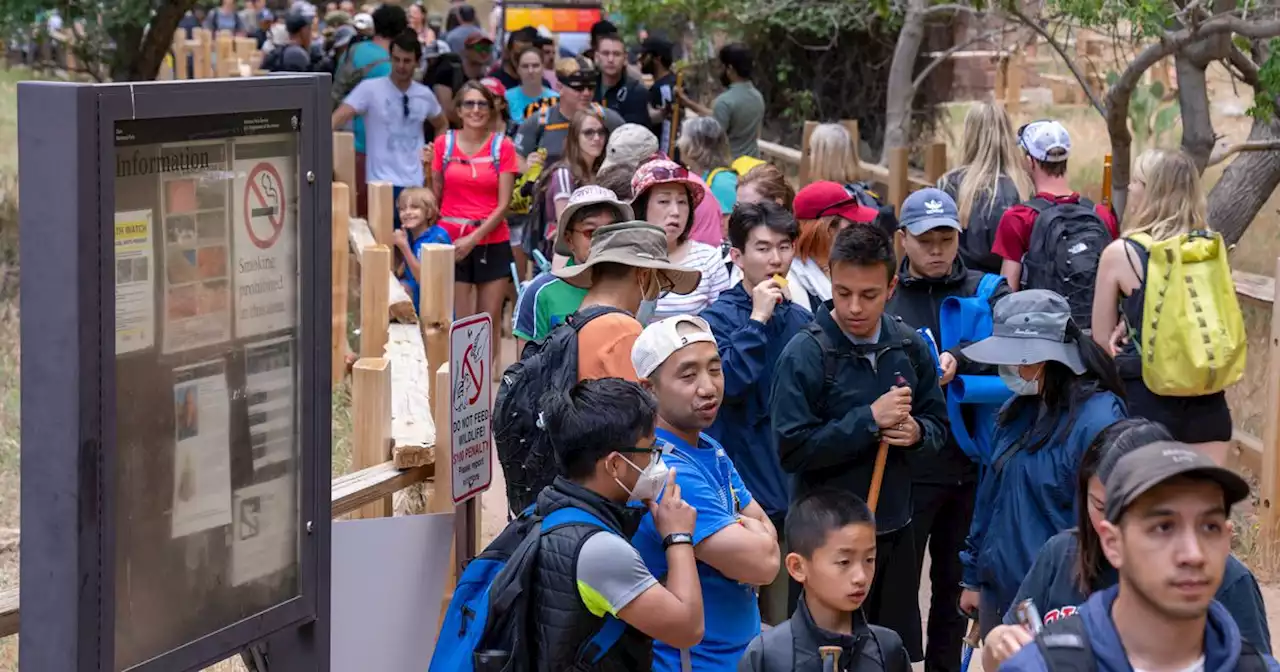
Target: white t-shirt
[1197,666]
[393,139]
[715,281]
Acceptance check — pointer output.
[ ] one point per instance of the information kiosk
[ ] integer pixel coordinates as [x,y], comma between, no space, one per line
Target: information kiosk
[175,378]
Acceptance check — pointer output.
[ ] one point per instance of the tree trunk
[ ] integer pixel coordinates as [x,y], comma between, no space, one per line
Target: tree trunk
[900,89]
[1117,119]
[1193,103]
[140,53]
[1245,185]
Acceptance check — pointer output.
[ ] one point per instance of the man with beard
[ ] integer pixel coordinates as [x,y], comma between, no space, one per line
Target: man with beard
[733,540]
[740,109]
[1168,533]
[656,57]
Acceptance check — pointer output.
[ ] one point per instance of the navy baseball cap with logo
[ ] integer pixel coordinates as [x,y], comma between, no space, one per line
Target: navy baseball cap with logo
[929,209]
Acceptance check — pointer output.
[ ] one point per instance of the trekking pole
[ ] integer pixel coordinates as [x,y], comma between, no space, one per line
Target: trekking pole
[830,658]
[971,642]
[675,115]
[882,456]
[1106,180]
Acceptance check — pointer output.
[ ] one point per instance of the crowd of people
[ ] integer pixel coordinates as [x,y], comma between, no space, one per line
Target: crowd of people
[743,415]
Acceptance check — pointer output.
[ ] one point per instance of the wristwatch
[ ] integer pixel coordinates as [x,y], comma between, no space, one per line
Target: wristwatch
[677,538]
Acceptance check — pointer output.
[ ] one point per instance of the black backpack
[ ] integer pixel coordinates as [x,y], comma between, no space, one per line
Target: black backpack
[1067,240]
[524,449]
[1064,645]
[979,236]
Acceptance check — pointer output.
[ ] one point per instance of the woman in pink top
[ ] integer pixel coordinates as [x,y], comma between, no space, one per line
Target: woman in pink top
[479,168]
[708,224]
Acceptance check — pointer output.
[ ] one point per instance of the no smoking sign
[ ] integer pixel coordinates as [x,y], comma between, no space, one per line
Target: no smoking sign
[264,203]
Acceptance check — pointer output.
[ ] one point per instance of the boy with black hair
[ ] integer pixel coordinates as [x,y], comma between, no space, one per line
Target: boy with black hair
[857,380]
[832,540]
[603,435]
[752,324]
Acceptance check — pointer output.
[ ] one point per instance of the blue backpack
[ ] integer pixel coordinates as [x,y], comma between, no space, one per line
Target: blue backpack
[487,624]
[968,320]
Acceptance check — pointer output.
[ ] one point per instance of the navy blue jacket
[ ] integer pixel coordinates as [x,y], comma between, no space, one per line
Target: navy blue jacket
[1221,641]
[827,437]
[749,352]
[1031,498]
[1053,585]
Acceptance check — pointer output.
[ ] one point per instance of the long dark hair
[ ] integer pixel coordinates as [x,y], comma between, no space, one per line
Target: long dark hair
[1064,392]
[1110,444]
[582,170]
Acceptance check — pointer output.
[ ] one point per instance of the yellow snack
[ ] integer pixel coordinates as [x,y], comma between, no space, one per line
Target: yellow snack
[782,281]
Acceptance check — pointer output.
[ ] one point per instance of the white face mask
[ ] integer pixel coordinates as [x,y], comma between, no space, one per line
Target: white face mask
[1017,384]
[650,483]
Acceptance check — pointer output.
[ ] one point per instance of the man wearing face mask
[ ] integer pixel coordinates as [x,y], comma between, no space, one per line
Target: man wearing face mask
[626,270]
[740,109]
[734,541]
[602,432]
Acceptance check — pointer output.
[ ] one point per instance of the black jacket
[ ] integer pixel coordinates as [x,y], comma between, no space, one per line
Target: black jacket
[827,436]
[563,622]
[918,302]
[794,645]
[629,98]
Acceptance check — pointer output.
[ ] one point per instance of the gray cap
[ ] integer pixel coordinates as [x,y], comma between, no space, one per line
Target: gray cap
[1145,468]
[1028,327]
[929,209]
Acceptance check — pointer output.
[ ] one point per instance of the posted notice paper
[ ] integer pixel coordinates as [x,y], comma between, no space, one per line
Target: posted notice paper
[135,286]
[265,216]
[202,454]
[270,386]
[264,539]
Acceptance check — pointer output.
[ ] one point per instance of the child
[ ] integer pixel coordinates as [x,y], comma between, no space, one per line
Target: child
[832,538]
[418,215]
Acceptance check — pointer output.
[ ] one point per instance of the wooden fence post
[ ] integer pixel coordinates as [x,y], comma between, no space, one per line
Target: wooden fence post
[851,125]
[375,264]
[371,411]
[180,53]
[1271,437]
[935,161]
[382,218]
[435,313]
[226,52]
[441,500]
[341,194]
[806,152]
[1002,77]
[1013,85]
[898,183]
[344,164]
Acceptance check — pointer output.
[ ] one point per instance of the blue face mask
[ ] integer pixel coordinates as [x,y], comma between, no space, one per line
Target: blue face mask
[647,308]
[1019,386]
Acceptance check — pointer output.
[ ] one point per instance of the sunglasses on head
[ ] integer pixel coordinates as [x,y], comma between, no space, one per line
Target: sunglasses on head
[664,173]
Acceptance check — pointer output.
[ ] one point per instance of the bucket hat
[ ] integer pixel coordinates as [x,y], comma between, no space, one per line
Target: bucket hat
[664,171]
[629,144]
[1028,327]
[636,244]
[582,197]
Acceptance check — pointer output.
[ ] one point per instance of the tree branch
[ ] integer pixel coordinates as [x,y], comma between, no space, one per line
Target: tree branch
[1176,40]
[1247,69]
[1222,154]
[942,57]
[1017,13]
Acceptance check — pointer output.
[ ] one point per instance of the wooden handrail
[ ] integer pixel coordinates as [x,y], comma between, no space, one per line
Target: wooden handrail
[871,171]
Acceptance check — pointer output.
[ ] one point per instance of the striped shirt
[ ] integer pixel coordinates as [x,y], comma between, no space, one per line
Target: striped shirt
[715,280]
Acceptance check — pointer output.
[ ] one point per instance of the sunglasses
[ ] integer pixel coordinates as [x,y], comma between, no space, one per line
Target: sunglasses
[664,174]
[475,105]
[595,133]
[485,49]
[580,86]
[404,100]
[836,206]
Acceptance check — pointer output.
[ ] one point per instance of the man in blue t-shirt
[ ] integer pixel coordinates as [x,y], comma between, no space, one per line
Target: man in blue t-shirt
[735,544]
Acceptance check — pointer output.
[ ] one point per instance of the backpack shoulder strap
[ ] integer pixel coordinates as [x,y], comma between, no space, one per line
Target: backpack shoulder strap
[1064,645]
[580,319]
[829,362]
[450,142]
[1085,202]
[1040,204]
[715,172]
[612,629]
[570,515]
[495,152]
[1251,659]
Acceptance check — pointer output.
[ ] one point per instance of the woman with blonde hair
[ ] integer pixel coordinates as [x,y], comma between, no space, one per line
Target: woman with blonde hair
[1165,201]
[987,181]
[833,155]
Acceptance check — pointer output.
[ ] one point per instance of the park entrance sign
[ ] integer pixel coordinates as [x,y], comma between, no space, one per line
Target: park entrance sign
[175,407]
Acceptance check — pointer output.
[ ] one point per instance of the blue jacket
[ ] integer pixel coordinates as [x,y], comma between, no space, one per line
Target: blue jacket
[1221,641]
[749,352]
[1031,497]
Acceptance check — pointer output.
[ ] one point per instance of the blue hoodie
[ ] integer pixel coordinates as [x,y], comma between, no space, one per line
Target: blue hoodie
[749,352]
[1221,641]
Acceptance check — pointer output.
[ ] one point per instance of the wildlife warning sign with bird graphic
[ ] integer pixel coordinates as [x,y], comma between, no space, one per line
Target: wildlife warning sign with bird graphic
[265,236]
[471,398]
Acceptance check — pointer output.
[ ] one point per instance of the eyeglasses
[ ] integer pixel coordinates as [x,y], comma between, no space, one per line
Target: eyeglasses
[475,105]
[595,133]
[654,450]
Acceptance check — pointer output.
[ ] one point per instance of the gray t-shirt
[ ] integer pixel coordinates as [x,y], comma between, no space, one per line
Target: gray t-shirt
[531,136]
[610,574]
[740,111]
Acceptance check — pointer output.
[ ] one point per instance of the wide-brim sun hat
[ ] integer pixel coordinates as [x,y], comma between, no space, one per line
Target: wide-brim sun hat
[636,244]
[1029,327]
[664,171]
[582,197]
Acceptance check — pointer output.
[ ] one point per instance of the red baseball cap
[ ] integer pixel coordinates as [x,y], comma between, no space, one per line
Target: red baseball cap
[495,87]
[822,199]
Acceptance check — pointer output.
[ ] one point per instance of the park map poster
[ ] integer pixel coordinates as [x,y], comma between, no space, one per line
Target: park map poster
[207,313]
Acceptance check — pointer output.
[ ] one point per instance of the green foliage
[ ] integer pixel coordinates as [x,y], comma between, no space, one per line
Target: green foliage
[1145,18]
[1149,116]
[1264,100]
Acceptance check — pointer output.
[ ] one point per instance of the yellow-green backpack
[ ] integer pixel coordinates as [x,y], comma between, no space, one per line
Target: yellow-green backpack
[1193,340]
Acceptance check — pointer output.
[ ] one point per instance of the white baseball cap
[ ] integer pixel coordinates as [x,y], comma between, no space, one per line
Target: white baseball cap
[663,338]
[1039,138]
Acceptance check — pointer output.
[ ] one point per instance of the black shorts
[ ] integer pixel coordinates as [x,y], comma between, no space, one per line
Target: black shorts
[485,264]
[1189,419]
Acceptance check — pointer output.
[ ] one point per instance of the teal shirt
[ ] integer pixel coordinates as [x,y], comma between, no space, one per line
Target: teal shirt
[362,55]
[724,186]
[518,101]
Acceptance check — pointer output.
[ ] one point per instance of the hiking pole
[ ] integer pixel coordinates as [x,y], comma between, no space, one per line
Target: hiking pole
[971,642]
[675,114]
[829,654]
[882,456]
